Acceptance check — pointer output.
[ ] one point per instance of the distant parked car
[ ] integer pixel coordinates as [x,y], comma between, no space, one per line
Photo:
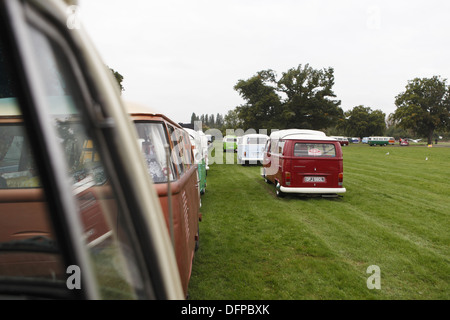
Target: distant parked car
[365,140]
[404,142]
[342,140]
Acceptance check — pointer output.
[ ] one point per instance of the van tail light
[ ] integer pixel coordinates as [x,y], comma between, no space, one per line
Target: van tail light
[245,153]
[287,179]
[340,179]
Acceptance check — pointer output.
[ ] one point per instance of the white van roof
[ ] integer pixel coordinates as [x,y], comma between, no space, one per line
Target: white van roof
[256,135]
[300,134]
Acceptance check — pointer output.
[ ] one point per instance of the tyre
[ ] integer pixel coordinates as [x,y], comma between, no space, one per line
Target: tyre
[279,193]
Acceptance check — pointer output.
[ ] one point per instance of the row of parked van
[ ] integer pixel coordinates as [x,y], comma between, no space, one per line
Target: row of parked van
[176,160]
[295,160]
[99,200]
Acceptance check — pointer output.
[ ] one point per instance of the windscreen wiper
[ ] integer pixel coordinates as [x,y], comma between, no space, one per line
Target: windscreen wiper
[34,244]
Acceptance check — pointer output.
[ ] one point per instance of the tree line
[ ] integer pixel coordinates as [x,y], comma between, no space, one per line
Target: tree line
[303,97]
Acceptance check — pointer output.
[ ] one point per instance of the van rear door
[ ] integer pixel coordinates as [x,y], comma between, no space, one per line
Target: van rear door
[315,164]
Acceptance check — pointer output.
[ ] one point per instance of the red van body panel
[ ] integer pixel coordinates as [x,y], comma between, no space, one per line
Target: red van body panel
[309,164]
[185,193]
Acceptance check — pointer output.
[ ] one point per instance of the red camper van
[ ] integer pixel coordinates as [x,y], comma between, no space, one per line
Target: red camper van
[180,195]
[303,162]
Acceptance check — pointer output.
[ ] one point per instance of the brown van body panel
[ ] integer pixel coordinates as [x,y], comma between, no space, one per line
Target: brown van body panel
[23,216]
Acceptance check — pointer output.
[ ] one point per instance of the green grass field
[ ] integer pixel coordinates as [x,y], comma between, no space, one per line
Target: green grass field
[395,215]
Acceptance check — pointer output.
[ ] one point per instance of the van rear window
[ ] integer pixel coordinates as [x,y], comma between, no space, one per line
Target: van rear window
[256,140]
[314,150]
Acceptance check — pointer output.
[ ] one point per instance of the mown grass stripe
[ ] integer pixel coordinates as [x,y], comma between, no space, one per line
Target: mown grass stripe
[256,246]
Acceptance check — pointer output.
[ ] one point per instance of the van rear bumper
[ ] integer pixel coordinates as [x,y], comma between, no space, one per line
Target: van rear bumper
[251,159]
[312,190]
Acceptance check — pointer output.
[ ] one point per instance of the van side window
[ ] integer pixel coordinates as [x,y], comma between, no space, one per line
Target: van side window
[281,146]
[277,147]
[17,167]
[314,150]
[268,146]
[274,147]
[153,140]
[24,217]
[177,150]
[187,159]
[99,208]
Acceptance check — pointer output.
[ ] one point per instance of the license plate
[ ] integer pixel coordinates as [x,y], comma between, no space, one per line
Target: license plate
[314,179]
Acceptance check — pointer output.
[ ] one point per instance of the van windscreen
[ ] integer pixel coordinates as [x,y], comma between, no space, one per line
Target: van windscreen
[152,140]
[314,150]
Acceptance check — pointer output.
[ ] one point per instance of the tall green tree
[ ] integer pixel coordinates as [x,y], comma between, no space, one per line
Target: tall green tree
[219,121]
[119,79]
[232,120]
[302,97]
[424,106]
[310,101]
[364,122]
[263,103]
[194,118]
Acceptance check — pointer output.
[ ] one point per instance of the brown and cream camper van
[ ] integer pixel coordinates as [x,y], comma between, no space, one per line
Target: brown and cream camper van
[167,151]
[78,219]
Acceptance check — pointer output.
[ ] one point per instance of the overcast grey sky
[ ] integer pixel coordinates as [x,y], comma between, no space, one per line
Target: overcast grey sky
[184,56]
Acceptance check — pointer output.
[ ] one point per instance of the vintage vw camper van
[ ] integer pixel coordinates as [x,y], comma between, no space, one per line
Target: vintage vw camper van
[167,151]
[200,155]
[230,143]
[303,162]
[76,218]
[379,141]
[250,148]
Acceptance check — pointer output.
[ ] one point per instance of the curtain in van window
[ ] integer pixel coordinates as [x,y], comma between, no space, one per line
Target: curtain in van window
[314,150]
[6,139]
[188,149]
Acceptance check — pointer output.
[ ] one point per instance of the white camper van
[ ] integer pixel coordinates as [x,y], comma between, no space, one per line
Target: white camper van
[251,148]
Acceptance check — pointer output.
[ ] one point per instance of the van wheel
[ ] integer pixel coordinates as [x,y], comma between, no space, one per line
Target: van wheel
[279,193]
[197,240]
